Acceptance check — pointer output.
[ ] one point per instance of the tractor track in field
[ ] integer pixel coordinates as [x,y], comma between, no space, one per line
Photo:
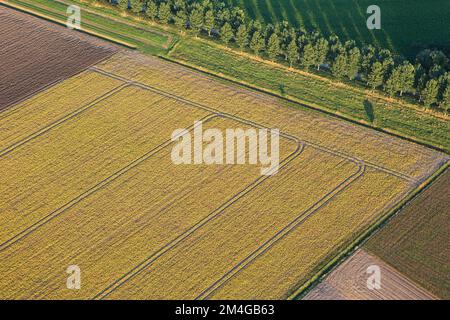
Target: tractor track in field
[218,112]
[283,232]
[64,119]
[125,84]
[92,190]
[213,113]
[214,214]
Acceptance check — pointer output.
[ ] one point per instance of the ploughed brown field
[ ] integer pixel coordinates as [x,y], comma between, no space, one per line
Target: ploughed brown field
[88,180]
[35,54]
[349,282]
[416,242]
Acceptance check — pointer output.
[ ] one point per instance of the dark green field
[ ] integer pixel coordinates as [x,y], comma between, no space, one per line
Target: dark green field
[406,25]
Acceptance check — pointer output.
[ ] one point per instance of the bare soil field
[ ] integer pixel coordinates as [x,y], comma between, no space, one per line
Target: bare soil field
[90,182]
[415,242]
[36,54]
[349,282]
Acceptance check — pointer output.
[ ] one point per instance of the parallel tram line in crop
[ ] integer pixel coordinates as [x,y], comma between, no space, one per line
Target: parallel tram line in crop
[283,232]
[212,110]
[91,191]
[63,119]
[266,246]
[172,244]
[126,83]
[361,165]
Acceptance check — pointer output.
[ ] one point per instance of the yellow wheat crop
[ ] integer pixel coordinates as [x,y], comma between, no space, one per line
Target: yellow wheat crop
[123,223]
[384,150]
[49,171]
[51,105]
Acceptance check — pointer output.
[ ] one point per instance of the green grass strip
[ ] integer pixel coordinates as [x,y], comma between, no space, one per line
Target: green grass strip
[63,23]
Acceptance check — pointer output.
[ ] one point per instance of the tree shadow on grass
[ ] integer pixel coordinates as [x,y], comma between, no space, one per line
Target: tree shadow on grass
[368,107]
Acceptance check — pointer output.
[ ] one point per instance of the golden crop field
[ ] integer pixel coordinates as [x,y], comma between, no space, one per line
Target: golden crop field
[88,180]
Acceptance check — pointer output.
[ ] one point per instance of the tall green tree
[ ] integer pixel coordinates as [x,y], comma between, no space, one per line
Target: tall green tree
[226,33]
[164,13]
[367,57]
[152,10]
[391,85]
[336,47]
[353,63]
[180,20]
[406,74]
[196,21]
[292,53]
[308,56]
[445,101]
[273,47]
[321,49]
[242,36]
[124,4]
[376,75]
[136,6]
[257,44]
[339,67]
[430,92]
[209,21]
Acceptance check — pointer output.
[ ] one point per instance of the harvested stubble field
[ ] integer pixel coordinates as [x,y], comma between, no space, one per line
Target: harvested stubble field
[349,282]
[92,184]
[416,241]
[35,54]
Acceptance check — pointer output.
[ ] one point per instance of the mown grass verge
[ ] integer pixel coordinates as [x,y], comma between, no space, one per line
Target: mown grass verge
[347,102]
[352,103]
[123,33]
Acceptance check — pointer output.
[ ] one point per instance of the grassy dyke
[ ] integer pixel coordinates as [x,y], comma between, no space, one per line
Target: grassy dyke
[407,26]
[345,101]
[134,36]
[349,102]
[27,9]
[364,236]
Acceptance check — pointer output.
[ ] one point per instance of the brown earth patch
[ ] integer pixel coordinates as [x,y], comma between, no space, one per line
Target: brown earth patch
[415,242]
[35,54]
[349,282]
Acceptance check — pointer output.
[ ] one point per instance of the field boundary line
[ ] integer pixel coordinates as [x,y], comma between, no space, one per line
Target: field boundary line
[392,269]
[213,110]
[354,88]
[63,23]
[64,119]
[194,104]
[181,237]
[332,256]
[364,236]
[90,24]
[283,232]
[137,25]
[14,106]
[5,245]
[307,105]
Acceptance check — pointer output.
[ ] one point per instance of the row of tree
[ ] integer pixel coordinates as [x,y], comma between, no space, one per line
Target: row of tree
[427,79]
